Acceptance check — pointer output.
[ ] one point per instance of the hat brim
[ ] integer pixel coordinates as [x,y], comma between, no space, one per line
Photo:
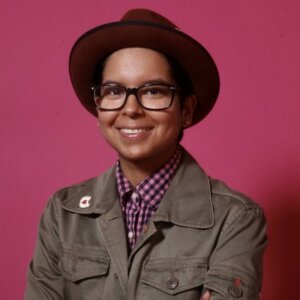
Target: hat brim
[92,47]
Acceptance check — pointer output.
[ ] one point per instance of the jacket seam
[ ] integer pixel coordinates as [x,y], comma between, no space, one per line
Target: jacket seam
[56,209]
[241,200]
[235,217]
[113,257]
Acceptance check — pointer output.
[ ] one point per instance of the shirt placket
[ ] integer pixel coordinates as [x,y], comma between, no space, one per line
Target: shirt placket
[133,218]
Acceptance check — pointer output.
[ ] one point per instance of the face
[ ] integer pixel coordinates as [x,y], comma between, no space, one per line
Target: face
[141,136]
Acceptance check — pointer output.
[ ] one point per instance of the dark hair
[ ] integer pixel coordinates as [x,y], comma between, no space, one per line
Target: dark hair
[181,78]
[99,70]
[183,81]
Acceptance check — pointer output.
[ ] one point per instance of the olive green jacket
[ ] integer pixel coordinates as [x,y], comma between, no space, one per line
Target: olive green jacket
[203,236]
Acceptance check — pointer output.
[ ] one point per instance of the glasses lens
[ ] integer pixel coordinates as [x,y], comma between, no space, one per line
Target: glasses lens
[156,96]
[110,97]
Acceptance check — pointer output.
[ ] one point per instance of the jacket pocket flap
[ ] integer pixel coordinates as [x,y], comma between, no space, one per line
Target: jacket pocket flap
[174,275]
[78,263]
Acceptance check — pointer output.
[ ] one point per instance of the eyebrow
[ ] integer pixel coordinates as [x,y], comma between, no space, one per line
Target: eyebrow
[153,81]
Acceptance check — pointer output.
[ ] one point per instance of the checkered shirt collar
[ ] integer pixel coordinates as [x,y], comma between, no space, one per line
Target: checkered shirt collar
[152,188]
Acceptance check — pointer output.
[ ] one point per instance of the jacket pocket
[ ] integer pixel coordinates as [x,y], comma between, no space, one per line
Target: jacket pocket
[85,270]
[78,263]
[181,276]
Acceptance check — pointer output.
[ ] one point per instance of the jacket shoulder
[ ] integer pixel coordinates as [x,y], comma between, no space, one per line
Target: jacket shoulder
[67,191]
[220,189]
[86,186]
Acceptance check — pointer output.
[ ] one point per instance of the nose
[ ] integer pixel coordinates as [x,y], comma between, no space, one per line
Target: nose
[132,107]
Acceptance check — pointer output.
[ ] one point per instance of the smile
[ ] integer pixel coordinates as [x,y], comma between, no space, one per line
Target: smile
[134,134]
[133,130]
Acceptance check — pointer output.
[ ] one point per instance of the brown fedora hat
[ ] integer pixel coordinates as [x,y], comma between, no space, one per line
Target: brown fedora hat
[147,29]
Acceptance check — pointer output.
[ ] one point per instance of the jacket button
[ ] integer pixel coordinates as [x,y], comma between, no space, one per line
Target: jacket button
[172,283]
[235,291]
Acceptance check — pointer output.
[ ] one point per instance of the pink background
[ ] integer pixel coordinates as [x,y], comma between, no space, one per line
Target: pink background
[251,139]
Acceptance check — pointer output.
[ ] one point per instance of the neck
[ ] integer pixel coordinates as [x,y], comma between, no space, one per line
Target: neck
[137,171]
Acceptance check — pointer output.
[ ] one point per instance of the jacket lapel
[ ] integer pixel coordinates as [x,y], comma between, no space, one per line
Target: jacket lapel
[188,199]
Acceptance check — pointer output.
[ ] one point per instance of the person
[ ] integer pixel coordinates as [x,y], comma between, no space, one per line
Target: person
[155,225]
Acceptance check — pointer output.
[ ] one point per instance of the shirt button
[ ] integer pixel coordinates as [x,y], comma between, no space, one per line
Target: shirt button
[235,291]
[172,283]
[130,234]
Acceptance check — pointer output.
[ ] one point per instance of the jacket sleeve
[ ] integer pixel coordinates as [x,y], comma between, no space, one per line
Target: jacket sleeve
[235,267]
[44,279]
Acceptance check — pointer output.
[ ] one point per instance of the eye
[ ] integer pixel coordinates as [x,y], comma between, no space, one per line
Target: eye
[115,91]
[112,91]
[155,91]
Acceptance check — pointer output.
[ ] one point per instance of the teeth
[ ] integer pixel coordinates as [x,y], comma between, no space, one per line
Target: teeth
[133,131]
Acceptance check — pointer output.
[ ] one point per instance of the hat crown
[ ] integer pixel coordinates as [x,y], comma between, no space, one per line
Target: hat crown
[146,15]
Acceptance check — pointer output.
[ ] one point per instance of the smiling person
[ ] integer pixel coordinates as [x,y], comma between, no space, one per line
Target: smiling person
[154,226]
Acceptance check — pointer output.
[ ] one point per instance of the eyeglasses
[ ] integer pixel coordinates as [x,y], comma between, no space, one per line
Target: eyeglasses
[109,97]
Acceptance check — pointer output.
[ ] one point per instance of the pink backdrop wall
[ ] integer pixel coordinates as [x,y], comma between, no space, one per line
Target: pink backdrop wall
[251,139]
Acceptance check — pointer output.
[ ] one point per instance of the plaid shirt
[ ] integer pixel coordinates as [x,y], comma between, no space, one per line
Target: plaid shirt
[139,204]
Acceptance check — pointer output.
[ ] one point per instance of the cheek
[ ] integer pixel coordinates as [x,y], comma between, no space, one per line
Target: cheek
[171,123]
[105,119]
[103,123]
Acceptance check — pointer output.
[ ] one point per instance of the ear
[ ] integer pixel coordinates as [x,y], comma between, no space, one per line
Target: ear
[188,109]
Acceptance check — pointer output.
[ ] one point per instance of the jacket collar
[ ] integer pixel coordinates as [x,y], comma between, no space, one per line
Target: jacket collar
[101,190]
[187,201]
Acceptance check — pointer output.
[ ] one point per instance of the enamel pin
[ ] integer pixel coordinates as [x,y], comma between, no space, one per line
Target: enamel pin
[85,202]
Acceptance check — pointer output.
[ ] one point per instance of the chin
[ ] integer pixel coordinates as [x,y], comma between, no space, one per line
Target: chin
[135,156]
